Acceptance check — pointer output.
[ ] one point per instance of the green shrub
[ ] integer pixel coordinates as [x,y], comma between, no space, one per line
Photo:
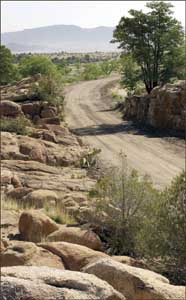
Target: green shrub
[163,232]
[18,125]
[119,207]
[49,89]
[91,71]
[34,64]
[116,96]
[140,221]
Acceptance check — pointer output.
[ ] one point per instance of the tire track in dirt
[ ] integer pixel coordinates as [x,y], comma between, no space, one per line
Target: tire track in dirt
[89,116]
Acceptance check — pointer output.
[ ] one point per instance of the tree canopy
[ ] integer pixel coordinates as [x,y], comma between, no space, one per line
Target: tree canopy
[7,69]
[152,39]
[34,64]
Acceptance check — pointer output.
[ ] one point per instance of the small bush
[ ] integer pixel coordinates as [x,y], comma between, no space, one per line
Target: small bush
[49,89]
[116,96]
[118,203]
[90,159]
[18,125]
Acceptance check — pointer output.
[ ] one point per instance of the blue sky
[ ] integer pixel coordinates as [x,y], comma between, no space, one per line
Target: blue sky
[19,15]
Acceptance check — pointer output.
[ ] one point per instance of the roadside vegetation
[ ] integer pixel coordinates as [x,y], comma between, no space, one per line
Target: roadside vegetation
[140,221]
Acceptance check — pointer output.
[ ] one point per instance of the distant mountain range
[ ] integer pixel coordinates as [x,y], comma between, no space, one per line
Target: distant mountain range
[69,38]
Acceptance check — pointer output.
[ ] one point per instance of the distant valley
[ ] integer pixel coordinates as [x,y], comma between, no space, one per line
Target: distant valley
[56,38]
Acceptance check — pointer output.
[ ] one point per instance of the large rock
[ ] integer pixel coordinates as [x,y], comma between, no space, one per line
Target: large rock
[9,178]
[18,253]
[76,235]
[48,112]
[166,107]
[163,108]
[9,221]
[75,257]
[10,109]
[32,108]
[43,283]
[39,198]
[35,226]
[21,91]
[37,175]
[44,151]
[135,283]
[130,261]
[18,193]
[9,146]
[63,135]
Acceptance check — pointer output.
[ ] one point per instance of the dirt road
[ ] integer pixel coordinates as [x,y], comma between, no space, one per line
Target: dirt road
[88,113]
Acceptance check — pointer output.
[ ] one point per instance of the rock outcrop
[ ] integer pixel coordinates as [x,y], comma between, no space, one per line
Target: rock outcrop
[74,256]
[35,226]
[10,109]
[135,283]
[76,235]
[17,253]
[163,108]
[45,283]
[47,152]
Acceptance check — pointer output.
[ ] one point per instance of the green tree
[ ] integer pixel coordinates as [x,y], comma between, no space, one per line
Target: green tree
[175,65]
[130,72]
[8,71]
[35,64]
[151,38]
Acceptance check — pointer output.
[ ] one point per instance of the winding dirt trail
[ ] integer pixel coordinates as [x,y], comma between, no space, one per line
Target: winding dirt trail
[89,115]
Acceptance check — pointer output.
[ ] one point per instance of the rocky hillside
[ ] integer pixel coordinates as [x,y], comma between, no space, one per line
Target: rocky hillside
[49,248]
[162,109]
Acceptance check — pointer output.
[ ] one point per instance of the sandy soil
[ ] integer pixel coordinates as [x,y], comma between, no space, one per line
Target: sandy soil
[89,115]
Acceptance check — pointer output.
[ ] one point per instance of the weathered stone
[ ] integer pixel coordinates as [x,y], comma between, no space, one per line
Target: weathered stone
[77,236]
[43,283]
[9,221]
[37,175]
[18,253]
[9,178]
[35,226]
[74,256]
[28,148]
[39,198]
[48,112]
[135,283]
[19,193]
[138,263]
[10,109]
[162,109]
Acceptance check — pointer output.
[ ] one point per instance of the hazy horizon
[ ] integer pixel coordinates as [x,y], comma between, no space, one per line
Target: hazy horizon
[22,15]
